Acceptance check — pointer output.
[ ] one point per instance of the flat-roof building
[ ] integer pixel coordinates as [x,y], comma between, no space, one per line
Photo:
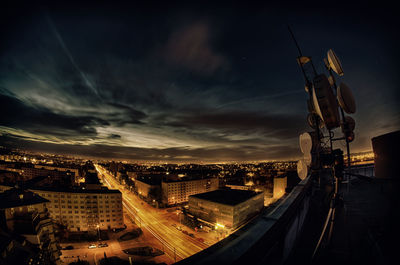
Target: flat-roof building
[226,207]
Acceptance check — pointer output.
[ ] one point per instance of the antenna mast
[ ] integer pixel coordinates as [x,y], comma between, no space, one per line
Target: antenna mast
[323,106]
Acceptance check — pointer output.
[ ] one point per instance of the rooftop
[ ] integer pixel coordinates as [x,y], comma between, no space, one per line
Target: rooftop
[17,197]
[226,196]
[91,178]
[75,190]
[154,180]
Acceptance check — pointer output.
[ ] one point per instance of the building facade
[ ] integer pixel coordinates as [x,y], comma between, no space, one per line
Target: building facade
[227,208]
[145,188]
[178,191]
[85,210]
[82,209]
[66,177]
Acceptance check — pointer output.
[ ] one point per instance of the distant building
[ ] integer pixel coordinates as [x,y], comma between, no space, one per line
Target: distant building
[178,191]
[280,184]
[75,169]
[278,190]
[238,187]
[66,177]
[24,213]
[92,181]
[226,207]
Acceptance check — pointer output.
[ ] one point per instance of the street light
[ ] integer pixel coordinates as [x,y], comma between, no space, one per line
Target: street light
[98,231]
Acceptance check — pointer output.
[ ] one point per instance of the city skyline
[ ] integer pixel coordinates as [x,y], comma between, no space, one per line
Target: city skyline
[180,83]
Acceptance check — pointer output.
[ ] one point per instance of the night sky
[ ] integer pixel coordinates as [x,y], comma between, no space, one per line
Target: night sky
[173,82]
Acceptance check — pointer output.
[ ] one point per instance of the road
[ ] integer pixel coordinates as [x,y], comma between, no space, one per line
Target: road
[177,244]
[92,255]
[115,248]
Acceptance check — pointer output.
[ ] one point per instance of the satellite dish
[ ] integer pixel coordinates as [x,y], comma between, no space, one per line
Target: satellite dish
[302,169]
[307,159]
[312,121]
[306,143]
[346,99]
[349,122]
[325,103]
[334,63]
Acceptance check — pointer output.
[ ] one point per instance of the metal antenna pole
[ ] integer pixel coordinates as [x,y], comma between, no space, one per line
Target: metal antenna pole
[345,124]
[295,41]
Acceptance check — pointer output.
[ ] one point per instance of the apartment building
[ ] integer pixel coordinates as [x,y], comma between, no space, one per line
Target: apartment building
[178,191]
[82,209]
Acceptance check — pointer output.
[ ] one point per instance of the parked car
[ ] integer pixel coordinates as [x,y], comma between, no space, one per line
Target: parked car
[92,246]
[191,234]
[102,245]
[185,232]
[69,247]
[200,239]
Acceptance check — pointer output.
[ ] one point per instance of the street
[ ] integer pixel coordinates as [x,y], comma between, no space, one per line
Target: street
[175,243]
[115,248]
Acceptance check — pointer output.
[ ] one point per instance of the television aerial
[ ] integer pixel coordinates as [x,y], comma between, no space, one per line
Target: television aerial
[306,143]
[325,104]
[302,169]
[313,120]
[346,99]
[334,63]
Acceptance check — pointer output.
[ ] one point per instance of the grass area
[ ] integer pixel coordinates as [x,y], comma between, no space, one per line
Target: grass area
[144,251]
[131,235]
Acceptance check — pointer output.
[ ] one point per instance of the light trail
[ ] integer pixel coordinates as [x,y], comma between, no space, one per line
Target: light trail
[179,244]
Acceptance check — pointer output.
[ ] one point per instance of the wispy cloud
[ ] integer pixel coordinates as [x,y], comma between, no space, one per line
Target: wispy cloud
[71,58]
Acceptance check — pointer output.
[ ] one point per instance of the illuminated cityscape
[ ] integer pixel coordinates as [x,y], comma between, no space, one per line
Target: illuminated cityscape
[198,133]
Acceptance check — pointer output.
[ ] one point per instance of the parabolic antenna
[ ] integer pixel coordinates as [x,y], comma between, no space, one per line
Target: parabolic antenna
[302,169]
[325,103]
[334,63]
[349,122]
[312,120]
[346,99]
[306,143]
[307,159]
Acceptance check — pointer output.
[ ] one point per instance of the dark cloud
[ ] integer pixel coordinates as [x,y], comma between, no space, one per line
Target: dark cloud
[190,47]
[187,82]
[114,136]
[18,115]
[246,153]
[126,115]
[281,126]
